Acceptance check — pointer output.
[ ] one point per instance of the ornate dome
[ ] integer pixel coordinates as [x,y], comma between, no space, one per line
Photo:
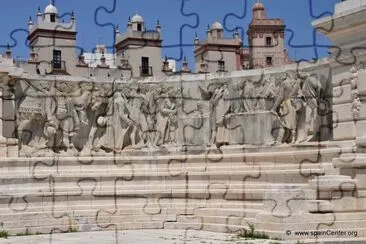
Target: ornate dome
[137,19]
[258,6]
[50,9]
[217,26]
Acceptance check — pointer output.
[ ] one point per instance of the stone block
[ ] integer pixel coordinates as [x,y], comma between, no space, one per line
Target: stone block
[342,94]
[344,131]
[3,150]
[341,79]
[361,83]
[361,128]
[330,183]
[8,110]
[12,148]
[319,206]
[8,129]
[342,112]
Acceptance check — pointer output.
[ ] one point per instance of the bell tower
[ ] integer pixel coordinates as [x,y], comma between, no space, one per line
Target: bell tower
[53,41]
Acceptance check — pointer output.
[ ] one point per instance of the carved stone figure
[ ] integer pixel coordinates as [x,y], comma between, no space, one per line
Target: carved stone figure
[150,108]
[249,96]
[284,104]
[219,98]
[63,114]
[165,118]
[95,121]
[139,131]
[312,92]
[236,97]
[118,125]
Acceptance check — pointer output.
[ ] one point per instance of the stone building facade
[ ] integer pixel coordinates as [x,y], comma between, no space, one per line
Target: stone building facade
[266,41]
[265,49]
[138,53]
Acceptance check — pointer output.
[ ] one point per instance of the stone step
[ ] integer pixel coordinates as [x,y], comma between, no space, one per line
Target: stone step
[64,227]
[289,154]
[226,212]
[165,187]
[82,204]
[138,174]
[196,224]
[136,213]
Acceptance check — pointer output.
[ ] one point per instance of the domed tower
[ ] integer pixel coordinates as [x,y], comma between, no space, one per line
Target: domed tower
[259,12]
[137,23]
[266,40]
[216,53]
[50,13]
[53,41]
[140,47]
[217,30]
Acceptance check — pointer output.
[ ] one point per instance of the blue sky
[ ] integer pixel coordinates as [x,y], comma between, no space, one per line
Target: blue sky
[180,19]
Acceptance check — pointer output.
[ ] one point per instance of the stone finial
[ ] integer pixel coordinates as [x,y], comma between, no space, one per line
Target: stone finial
[30,23]
[196,40]
[129,23]
[236,34]
[8,51]
[158,26]
[103,59]
[39,13]
[208,32]
[117,32]
[73,17]
[185,67]
[166,67]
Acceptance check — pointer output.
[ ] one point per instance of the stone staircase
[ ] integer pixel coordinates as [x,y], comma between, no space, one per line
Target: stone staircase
[220,192]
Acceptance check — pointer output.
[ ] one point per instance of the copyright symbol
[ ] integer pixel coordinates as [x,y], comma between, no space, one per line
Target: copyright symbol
[288,232]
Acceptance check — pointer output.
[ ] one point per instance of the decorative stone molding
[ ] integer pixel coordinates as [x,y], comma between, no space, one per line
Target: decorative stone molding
[356,108]
[356,104]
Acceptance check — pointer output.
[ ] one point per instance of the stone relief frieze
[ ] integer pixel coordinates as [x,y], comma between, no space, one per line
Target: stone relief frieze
[90,118]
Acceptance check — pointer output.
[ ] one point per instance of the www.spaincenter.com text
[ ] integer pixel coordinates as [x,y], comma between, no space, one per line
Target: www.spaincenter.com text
[318,233]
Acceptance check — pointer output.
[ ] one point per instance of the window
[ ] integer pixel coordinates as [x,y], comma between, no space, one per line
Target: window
[219,34]
[268,41]
[145,65]
[221,65]
[57,59]
[139,27]
[53,18]
[269,61]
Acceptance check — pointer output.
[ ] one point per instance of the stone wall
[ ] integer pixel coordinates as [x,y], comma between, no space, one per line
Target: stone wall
[170,171]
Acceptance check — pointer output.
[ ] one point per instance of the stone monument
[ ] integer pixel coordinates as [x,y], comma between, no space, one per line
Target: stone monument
[281,149]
